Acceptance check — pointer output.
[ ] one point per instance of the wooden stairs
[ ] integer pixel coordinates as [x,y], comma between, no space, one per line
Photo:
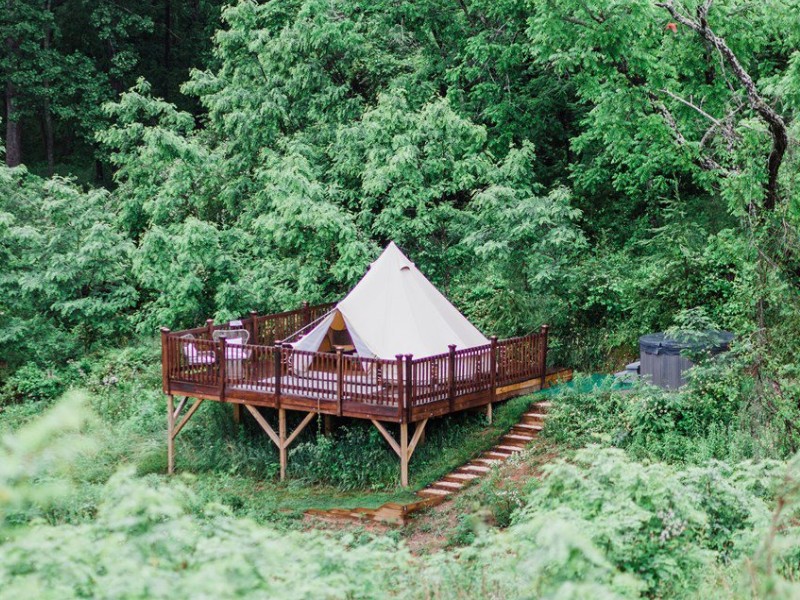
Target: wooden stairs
[520,435]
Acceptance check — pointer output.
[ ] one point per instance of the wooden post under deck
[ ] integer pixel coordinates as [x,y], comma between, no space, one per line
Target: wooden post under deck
[492,377]
[237,413]
[404,454]
[282,438]
[405,449]
[170,438]
[543,354]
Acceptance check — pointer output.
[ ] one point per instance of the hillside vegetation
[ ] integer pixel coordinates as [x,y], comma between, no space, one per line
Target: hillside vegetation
[610,168]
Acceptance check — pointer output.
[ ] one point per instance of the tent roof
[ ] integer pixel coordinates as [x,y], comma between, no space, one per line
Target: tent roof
[394,310]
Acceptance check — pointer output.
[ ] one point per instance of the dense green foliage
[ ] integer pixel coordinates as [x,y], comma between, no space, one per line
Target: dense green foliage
[611,168]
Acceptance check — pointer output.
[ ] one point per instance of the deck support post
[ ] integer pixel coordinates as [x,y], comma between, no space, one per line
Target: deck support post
[172,429]
[492,377]
[170,438]
[543,355]
[404,454]
[405,449]
[282,438]
[237,413]
[451,375]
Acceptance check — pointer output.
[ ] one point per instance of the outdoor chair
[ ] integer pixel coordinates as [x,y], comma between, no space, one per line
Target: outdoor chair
[195,356]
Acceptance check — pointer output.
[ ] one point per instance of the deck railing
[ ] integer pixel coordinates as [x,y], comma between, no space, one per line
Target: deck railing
[404,389]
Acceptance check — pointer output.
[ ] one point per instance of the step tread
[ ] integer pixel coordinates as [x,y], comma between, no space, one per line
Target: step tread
[509,448]
[531,426]
[453,485]
[478,468]
[497,455]
[463,476]
[433,492]
[517,436]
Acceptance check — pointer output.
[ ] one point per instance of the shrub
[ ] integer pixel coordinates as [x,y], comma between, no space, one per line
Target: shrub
[31,383]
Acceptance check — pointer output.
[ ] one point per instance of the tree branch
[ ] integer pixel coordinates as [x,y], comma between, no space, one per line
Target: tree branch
[774,122]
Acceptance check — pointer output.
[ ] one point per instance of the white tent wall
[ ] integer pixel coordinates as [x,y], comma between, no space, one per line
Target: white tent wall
[394,310]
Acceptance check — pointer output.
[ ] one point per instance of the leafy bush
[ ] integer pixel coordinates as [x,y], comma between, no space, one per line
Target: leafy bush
[32,383]
[356,456]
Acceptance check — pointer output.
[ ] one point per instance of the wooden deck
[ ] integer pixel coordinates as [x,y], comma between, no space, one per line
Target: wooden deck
[197,363]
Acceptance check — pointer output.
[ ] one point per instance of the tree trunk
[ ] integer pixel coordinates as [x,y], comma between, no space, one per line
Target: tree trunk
[47,116]
[167,35]
[13,130]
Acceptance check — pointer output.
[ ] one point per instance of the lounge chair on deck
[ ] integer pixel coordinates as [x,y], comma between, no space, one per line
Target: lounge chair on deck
[195,356]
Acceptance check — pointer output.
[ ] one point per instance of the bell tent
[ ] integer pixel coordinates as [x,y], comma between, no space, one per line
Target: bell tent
[393,310]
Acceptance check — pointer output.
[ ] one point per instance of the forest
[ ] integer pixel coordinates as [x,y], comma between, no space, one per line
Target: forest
[609,167]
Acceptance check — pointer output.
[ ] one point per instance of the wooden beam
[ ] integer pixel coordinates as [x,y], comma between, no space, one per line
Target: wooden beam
[186,417]
[404,454]
[489,413]
[418,433]
[387,436]
[181,404]
[298,430]
[170,437]
[282,438]
[264,425]
[237,413]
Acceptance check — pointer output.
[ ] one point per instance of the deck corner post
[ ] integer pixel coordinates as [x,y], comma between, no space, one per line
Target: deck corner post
[306,313]
[210,327]
[543,336]
[409,387]
[493,365]
[451,374]
[282,451]
[223,368]
[401,385]
[165,358]
[170,437]
[404,454]
[339,380]
[254,326]
[276,359]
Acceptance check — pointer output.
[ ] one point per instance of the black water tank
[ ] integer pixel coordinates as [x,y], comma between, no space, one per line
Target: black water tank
[663,359]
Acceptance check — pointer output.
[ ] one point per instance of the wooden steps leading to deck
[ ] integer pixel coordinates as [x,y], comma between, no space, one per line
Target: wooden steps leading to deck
[519,436]
[517,439]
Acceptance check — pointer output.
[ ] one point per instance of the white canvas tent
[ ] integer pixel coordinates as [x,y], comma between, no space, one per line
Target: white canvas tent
[393,310]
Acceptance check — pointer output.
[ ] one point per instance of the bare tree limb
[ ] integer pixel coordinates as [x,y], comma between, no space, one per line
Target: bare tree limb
[691,105]
[774,122]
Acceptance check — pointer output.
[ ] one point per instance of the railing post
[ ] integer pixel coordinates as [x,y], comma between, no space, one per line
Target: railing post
[210,327]
[409,387]
[339,380]
[306,313]
[543,352]
[223,368]
[254,326]
[451,374]
[493,367]
[276,358]
[401,385]
[165,360]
